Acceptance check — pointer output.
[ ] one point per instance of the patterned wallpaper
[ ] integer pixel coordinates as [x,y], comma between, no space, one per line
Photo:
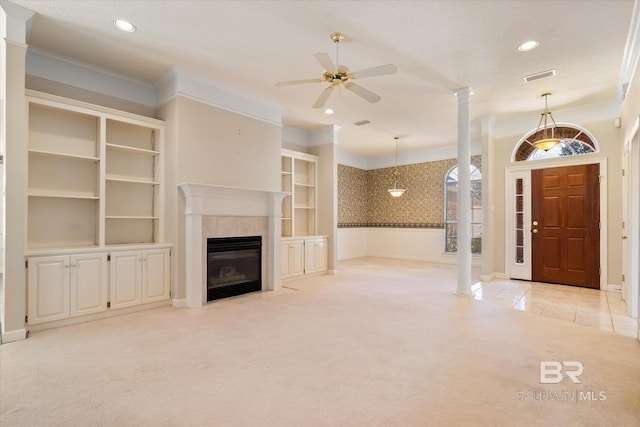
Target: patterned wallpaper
[363,200]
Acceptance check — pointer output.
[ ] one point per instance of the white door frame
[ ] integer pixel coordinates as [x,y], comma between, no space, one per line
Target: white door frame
[631,227]
[523,170]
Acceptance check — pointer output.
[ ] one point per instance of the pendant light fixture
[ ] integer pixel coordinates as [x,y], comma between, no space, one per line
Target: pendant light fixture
[551,135]
[395,191]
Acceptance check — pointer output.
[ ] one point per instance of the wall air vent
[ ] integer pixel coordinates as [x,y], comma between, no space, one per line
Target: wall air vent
[362,122]
[540,75]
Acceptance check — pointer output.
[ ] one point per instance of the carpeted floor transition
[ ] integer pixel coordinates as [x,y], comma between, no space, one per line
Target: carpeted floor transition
[382,343]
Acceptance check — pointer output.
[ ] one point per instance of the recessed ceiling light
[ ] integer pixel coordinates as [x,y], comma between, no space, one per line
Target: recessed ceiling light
[526,46]
[124,25]
[328,111]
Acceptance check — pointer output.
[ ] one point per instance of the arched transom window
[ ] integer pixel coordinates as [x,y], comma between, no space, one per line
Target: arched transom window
[451,210]
[574,141]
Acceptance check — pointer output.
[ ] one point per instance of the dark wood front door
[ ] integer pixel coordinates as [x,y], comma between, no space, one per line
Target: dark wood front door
[565,232]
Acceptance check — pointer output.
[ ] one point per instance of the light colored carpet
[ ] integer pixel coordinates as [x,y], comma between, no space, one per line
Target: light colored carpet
[383,343]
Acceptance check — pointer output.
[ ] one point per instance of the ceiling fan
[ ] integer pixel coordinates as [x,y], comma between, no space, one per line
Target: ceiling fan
[339,76]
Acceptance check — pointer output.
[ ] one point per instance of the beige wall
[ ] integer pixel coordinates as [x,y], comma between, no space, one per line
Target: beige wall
[223,148]
[327,198]
[209,145]
[609,139]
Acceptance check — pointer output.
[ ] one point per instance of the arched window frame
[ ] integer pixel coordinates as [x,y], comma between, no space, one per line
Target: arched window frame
[450,210]
[575,141]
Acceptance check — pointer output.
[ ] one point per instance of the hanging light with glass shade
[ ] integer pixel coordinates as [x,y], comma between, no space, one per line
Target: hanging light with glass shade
[395,191]
[551,135]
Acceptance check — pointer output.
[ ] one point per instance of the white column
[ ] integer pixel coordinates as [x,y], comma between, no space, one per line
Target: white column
[195,275]
[464,195]
[274,280]
[13,140]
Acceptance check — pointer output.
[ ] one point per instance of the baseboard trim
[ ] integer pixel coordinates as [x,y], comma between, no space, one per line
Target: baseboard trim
[494,276]
[12,336]
[179,303]
[614,288]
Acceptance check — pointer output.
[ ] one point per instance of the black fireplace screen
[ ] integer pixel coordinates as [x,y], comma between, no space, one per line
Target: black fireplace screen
[234,266]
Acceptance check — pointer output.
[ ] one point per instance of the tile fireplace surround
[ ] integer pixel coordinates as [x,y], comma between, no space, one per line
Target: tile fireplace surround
[216,211]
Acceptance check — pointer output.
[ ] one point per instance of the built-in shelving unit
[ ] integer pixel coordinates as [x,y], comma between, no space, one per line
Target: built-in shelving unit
[94,239]
[303,252]
[298,176]
[94,176]
[132,155]
[63,179]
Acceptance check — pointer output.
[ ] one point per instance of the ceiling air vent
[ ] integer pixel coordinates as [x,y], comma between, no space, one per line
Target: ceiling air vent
[540,75]
[362,122]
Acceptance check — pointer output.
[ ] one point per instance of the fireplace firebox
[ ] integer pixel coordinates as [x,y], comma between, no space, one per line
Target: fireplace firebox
[234,266]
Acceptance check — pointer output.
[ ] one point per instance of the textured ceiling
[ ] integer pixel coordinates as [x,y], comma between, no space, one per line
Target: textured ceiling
[438,46]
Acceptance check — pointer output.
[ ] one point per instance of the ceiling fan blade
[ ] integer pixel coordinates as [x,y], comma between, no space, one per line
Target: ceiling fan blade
[298,82]
[362,92]
[375,71]
[325,61]
[323,97]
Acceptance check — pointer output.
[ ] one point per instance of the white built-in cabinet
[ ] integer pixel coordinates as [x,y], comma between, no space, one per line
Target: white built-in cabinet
[315,255]
[303,252]
[303,256]
[94,189]
[139,277]
[292,258]
[64,286]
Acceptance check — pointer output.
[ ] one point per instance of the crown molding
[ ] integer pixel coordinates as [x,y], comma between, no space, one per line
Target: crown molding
[179,82]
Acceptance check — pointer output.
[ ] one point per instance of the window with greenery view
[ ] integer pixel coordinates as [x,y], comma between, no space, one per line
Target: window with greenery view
[451,210]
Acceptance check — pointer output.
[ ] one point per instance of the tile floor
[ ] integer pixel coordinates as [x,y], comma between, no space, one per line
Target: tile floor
[604,310]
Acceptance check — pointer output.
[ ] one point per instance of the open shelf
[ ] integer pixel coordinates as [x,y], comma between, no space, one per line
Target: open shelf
[131,180]
[63,131]
[124,134]
[298,181]
[127,230]
[133,149]
[62,222]
[68,156]
[35,193]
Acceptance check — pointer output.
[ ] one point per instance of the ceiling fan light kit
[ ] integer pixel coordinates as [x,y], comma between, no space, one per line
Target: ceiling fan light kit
[338,75]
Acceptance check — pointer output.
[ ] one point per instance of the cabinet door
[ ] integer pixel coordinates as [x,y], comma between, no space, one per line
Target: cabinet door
[48,289]
[156,280]
[285,261]
[321,254]
[88,284]
[315,255]
[126,279]
[296,257]
[310,258]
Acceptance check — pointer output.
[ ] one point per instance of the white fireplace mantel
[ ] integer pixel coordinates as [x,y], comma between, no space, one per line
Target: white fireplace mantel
[212,200]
